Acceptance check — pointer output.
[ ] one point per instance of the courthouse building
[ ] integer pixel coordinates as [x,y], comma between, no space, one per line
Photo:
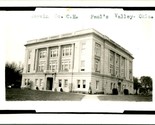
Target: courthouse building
[81,61]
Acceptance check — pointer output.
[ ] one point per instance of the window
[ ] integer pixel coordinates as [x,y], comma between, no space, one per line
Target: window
[111,69]
[84,83]
[97,49]
[66,50]
[82,65]
[42,54]
[78,83]
[130,70]
[25,81]
[29,66]
[28,82]
[97,65]
[41,66]
[65,65]
[41,82]
[114,86]
[124,86]
[97,84]
[111,86]
[66,83]
[117,65]
[36,82]
[111,62]
[60,83]
[83,47]
[54,52]
[123,67]
[29,53]
[53,65]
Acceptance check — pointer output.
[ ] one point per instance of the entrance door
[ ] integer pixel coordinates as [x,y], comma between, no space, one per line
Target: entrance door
[49,83]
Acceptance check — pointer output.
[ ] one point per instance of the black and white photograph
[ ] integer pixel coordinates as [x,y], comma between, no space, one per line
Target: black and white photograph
[78,59]
[71,54]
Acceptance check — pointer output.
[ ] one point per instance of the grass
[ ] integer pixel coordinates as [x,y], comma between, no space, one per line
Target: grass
[136,98]
[34,95]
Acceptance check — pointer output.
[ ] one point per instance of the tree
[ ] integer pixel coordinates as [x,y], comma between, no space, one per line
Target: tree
[136,84]
[13,74]
[146,83]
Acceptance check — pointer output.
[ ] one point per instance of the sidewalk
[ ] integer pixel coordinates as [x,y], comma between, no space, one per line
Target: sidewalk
[90,98]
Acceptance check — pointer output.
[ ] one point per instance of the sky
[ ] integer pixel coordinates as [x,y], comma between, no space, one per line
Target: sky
[133,30]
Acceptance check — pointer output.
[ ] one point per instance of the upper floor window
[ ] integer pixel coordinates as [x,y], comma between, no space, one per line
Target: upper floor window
[123,67]
[111,57]
[117,65]
[66,50]
[97,49]
[130,70]
[29,54]
[53,65]
[42,54]
[65,65]
[41,66]
[97,65]
[54,52]
[130,65]
[123,61]
[111,63]
[117,60]
[83,47]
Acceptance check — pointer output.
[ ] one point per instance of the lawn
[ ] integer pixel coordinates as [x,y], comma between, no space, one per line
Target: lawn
[34,95]
[136,98]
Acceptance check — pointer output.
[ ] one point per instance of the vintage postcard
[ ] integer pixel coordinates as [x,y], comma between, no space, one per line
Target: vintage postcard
[79,59]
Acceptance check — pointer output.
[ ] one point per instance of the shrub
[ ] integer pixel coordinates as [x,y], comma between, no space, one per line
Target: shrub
[55,90]
[126,91]
[115,91]
[61,90]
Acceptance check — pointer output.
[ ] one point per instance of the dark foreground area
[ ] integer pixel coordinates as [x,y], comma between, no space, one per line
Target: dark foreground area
[34,95]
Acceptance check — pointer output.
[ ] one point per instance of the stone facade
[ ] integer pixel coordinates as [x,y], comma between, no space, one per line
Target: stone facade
[82,61]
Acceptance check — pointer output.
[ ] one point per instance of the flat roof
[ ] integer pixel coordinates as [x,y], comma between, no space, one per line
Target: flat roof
[77,33]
